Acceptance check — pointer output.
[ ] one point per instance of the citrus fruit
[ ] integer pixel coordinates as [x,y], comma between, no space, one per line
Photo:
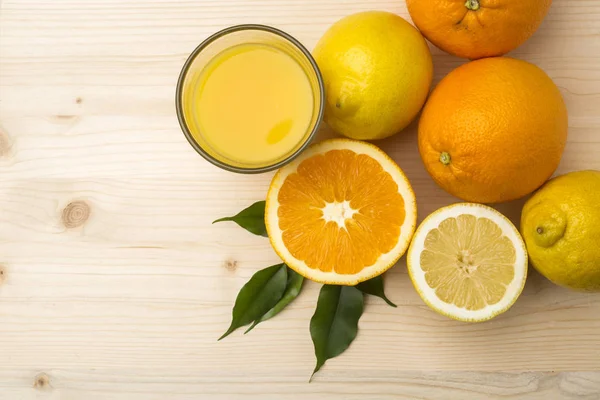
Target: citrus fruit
[377,70]
[468,262]
[341,213]
[478,28]
[561,227]
[493,130]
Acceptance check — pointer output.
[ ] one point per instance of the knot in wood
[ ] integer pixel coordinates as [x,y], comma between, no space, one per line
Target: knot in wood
[230,265]
[75,214]
[42,382]
[4,144]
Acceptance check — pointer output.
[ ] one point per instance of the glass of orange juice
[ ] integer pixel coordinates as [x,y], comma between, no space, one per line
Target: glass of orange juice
[250,98]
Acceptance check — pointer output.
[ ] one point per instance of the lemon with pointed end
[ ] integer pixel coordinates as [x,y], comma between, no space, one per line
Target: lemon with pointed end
[377,71]
[561,227]
[468,262]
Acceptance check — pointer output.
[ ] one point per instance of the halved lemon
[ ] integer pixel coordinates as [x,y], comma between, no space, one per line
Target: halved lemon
[468,262]
[341,213]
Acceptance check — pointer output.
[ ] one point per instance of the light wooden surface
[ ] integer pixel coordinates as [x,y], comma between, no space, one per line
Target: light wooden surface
[115,285]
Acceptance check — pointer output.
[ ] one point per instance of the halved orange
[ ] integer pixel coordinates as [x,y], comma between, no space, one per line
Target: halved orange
[341,213]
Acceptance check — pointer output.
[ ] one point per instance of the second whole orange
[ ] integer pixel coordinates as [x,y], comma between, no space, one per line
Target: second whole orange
[493,130]
[478,28]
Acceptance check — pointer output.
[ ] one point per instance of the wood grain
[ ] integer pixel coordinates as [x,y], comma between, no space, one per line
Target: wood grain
[115,285]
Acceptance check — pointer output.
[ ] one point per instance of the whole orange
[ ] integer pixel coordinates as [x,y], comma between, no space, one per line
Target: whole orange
[493,130]
[478,28]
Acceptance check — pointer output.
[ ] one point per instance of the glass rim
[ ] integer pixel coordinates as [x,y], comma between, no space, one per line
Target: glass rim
[179,95]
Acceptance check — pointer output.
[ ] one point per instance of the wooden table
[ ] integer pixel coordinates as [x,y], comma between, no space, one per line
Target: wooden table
[115,285]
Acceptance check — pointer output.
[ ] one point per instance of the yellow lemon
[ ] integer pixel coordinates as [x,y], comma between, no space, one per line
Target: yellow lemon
[561,227]
[377,71]
[468,262]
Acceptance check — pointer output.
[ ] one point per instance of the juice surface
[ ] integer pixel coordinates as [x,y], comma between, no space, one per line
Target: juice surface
[253,104]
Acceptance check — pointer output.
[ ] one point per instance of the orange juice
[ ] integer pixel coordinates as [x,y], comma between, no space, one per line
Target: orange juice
[252,105]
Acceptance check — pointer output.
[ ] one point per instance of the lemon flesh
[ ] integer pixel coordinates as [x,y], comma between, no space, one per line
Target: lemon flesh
[467,261]
[561,227]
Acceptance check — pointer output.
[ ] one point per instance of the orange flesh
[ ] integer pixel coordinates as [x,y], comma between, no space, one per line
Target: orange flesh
[370,228]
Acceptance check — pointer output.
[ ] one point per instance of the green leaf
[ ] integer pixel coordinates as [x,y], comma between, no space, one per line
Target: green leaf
[258,296]
[374,287]
[292,290]
[335,322]
[251,219]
